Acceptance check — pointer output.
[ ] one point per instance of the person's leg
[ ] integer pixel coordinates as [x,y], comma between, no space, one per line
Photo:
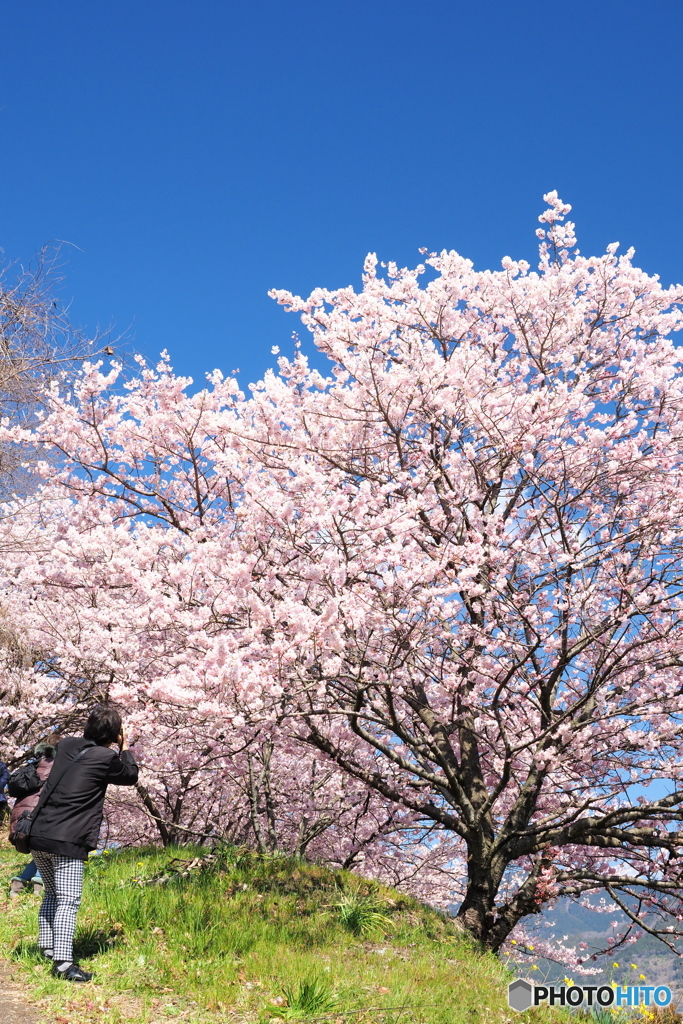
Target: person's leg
[29,871]
[48,908]
[68,876]
[21,882]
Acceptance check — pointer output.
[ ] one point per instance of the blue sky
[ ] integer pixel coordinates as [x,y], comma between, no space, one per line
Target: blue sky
[197,154]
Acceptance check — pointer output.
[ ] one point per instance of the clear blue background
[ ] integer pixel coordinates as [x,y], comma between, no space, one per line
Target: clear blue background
[198,154]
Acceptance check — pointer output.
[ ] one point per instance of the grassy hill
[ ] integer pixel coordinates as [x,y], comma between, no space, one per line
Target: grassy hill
[244,938]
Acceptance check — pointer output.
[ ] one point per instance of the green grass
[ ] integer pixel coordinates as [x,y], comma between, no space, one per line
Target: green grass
[253,939]
[363,913]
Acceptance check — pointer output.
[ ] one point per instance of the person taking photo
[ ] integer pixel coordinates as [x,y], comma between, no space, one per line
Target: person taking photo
[66,827]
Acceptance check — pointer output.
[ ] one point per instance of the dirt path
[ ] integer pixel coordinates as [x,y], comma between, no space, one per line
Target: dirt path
[13,1008]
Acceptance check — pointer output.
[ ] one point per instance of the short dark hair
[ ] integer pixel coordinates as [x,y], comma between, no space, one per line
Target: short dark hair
[103,725]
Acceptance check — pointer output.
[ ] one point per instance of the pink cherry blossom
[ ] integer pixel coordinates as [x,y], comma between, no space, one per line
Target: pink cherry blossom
[421,614]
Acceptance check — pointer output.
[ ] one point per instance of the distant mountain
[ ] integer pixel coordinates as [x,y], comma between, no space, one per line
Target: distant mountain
[579,924]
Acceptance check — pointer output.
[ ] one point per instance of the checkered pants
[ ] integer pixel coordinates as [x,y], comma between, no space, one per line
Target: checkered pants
[63,881]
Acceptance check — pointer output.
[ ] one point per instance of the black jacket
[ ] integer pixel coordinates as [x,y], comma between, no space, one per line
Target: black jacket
[68,824]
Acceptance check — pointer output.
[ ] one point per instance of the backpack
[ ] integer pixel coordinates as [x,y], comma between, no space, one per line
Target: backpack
[20,835]
[25,781]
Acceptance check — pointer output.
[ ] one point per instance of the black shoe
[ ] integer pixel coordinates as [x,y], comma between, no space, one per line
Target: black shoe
[73,973]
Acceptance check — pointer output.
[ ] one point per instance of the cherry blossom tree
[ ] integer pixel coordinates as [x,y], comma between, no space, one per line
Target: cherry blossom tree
[37,345]
[494,560]
[80,591]
[451,567]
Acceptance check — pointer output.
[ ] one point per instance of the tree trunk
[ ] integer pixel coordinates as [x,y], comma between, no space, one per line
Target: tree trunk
[476,910]
[155,814]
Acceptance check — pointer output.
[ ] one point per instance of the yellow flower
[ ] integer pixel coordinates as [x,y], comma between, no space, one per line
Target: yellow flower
[568,981]
[534,967]
[641,977]
[530,947]
[140,864]
[513,942]
[634,966]
[615,964]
